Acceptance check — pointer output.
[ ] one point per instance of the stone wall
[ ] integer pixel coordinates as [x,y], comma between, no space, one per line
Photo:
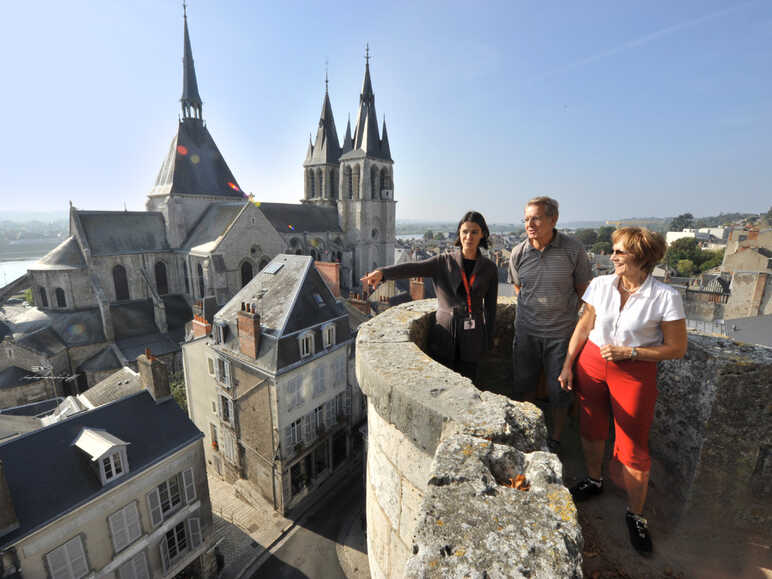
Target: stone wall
[439,461]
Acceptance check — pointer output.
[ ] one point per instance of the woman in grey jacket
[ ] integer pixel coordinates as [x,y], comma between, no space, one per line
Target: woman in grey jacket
[466,284]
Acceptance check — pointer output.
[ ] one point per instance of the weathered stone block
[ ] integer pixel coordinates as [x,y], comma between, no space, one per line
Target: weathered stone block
[378,536]
[398,556]
[385,483]
[414,463]
[411,503]
[497,418]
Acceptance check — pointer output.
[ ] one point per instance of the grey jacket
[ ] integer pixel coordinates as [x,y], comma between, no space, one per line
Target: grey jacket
[448,337]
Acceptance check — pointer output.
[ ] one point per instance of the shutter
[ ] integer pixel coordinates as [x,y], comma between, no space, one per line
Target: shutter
[307,430]
[190,486]
[133,524]
[154,505]
[77,558]
[119,531]
[227,373]
[288,436]
[57,563]
[140,566]
[330,406]
[195,532]
[164,546]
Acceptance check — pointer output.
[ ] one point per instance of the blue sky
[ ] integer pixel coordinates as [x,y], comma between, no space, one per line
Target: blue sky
[617,109]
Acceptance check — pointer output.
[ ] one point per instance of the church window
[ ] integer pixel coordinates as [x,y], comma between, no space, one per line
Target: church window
[386,186]
[61,301]
[375,234]
[334,184]
[355,174]
[310,179]
[201,287]
[319,183]
[246,273]
[348,182]
[374,188]
[121,283]
[43,297]
[161,282]
[187,277]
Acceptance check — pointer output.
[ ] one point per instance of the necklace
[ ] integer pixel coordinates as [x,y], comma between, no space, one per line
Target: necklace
[622,288]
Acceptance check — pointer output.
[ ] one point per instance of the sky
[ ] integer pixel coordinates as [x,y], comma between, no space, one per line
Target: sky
[616,109]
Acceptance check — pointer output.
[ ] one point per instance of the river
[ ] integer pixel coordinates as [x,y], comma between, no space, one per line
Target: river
[10,270]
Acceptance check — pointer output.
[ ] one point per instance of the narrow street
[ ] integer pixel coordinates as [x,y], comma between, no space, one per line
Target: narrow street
[310,549]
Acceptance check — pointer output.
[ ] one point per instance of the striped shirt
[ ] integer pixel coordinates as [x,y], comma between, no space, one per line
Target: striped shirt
[547,304]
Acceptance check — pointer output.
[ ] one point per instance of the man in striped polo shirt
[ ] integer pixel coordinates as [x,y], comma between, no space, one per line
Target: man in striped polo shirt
[550,272]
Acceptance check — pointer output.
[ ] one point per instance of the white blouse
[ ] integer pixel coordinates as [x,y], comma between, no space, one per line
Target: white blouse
[638,323]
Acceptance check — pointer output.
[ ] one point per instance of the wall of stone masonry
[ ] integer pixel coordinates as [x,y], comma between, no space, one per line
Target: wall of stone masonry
[425,422]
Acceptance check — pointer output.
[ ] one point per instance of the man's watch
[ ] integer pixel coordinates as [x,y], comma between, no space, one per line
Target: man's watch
[633,354]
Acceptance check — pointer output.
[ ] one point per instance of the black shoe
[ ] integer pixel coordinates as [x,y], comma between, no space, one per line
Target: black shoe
[585,489]
[553,445]
[639,533]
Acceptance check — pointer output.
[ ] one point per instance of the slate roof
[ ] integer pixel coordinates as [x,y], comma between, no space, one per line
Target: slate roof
[74,328]
[116,386]
[213,223]
[45,341]
[61,472]
[134,318]
[102,361]
[326,148]
[15,376]
[297,218]
[158,343]
[194,165]
[66,255]
[178,312]
[117,232]
[34,409]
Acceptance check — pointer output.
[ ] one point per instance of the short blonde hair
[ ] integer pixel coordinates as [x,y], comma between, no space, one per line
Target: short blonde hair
[549,204]
[646,247]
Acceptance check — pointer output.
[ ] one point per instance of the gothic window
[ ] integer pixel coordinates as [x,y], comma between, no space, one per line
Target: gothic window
[310,177]
[355,174]
[333,184]
[121,283]
[374,188]
[319,183]
[386,187]
[246,273]
[201,287]
[187,276]
[61,301]
[348,183]
[161,283]
[43,297]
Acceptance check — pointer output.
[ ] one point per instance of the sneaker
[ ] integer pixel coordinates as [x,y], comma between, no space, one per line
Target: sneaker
[586,488]
[553,445]
[638,528]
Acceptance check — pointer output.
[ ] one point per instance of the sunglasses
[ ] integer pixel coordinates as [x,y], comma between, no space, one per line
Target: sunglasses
[619,252]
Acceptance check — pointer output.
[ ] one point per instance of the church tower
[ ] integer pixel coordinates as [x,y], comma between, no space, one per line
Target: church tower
[366,205]
[194,174]
[322,165]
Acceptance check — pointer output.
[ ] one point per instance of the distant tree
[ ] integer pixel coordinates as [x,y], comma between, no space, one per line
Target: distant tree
[177,386]
[685,267]
[439,236]
[711,259]
[604,233]
[428,234]
[684,248]
[586,236]
[683,221]
[601,247]
[769,215]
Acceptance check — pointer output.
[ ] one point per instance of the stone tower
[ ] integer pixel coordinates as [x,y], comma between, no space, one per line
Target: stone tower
[366,203]
[194,174]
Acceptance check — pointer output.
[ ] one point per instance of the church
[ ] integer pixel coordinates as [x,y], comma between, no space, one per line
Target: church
[126,280]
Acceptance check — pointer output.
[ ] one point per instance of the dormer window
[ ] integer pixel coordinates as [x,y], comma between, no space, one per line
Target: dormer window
[306,344]
[108,453]
[328,335]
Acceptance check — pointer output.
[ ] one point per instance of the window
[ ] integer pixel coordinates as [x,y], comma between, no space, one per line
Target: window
[161,282]
[306,344]
[201,286]
[319,300]
[61,301]
[226,409]
[121,283]
[214,407]
[318,381]
[319,418]
[174,544]
[246,273]
[294,392]
[224,372]
[328,335]
[168,496]
[294,433]
[296,479]
[229,447]
[210,363]
[135,568]
[213,435]
[340,371]
[112,466]
[43,297]
[125,526]
[68,561]
[321,460]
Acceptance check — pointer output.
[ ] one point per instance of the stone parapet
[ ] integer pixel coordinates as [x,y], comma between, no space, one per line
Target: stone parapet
[440,453]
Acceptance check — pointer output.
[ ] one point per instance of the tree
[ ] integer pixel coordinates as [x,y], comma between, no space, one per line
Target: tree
[685,267]
[604,233]
[586,236]
[683,221]
[177,387]
[439,236]
[603,247]
[711,259]
[684,248]
[428,235]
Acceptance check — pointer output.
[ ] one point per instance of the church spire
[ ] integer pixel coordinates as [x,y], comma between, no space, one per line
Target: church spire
[385,149]
[348,142]
[366,132]
[191,100]
[326,148]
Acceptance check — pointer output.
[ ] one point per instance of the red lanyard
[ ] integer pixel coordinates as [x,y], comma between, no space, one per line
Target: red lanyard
[467,286]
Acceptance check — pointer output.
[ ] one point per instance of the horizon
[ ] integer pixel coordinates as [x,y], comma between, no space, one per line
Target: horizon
[611,110]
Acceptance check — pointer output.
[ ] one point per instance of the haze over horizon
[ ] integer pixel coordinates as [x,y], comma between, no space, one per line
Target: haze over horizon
[617,111]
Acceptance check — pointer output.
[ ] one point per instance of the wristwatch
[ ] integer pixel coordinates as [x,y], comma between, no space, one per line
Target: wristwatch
[633,354]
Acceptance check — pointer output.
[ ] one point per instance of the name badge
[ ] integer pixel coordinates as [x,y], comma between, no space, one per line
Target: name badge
[469,324]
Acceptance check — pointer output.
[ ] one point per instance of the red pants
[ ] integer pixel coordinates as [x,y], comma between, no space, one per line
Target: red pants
[631,389]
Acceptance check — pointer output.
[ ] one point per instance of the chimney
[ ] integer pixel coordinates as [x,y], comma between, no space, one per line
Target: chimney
[416,288]
[8,520]
[154,376]
[249,329]
[200,326]
[360,304]
[330,271]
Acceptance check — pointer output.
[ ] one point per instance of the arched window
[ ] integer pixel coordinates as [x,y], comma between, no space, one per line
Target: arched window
[43,297]
[333,184]
[61,301]
[319,183]
[201,287]
[310,177]
[374,188]
[186,276]
[348,185]
[246,273]
[386,188]
[355,181]
[121,283]
[161,283]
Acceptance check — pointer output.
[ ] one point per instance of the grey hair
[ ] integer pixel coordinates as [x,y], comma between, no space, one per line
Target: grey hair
[550,205]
